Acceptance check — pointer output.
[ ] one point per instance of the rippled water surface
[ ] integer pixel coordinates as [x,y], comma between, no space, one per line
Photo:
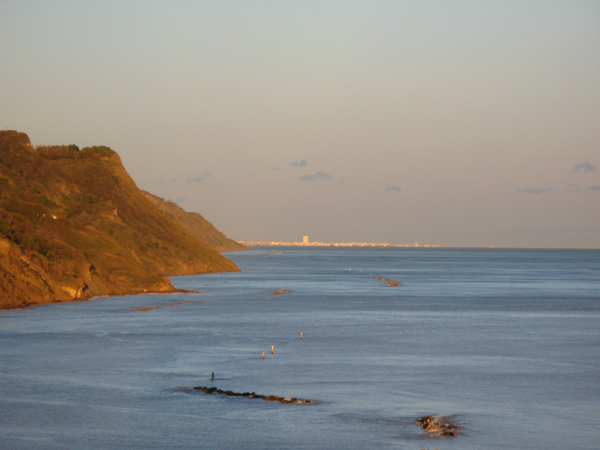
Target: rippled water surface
[506,343]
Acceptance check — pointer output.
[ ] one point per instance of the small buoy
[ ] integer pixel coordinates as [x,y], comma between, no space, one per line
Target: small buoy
[301,335]
[272,349]
[263,355]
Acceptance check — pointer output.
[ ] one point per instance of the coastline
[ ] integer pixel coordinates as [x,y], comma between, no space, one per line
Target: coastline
[177,291]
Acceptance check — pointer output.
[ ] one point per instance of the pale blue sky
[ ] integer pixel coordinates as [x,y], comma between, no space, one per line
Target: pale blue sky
[468,123]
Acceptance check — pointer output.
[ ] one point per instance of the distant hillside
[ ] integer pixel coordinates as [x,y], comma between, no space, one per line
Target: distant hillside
[73,225]
[196,225]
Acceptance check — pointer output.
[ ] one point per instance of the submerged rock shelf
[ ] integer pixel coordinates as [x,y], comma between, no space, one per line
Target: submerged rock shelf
[269,398]
[280,291]
[437,426]
[150,308]
[391,283]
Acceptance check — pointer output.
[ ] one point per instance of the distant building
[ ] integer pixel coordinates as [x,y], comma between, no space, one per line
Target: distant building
[305,239]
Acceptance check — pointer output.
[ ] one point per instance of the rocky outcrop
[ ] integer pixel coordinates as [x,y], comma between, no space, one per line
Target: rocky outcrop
[269,398]
[438,426]
[281,291]
[22,281]
[391,283]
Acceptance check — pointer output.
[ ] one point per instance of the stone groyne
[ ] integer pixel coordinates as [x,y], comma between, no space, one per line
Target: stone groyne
[268,398]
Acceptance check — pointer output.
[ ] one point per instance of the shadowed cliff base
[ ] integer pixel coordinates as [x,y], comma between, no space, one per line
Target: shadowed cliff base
[74,225]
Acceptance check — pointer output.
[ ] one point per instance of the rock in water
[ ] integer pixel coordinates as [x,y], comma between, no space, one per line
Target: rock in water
[438,426]
[270,398]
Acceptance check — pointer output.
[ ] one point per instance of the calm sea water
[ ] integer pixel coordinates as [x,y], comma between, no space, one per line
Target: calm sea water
[504,342]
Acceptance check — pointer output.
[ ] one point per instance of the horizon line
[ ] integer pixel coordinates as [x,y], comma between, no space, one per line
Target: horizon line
[384,244]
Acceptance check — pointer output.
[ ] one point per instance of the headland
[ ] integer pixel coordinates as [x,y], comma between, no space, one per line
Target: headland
[74,225]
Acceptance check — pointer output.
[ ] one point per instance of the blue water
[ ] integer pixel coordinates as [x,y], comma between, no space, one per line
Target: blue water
[506,343]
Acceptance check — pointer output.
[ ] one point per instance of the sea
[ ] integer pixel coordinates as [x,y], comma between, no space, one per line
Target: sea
[504,343]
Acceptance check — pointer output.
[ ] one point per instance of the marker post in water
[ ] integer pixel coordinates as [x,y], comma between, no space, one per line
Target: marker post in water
[301,335]
[263,355]
[272,349]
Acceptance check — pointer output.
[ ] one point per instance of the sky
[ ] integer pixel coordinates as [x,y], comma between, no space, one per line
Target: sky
[451,123]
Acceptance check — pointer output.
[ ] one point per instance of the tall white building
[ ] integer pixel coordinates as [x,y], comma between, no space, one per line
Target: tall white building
[305,239]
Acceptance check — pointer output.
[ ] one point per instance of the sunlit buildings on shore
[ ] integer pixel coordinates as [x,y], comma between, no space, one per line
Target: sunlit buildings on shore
[306,243]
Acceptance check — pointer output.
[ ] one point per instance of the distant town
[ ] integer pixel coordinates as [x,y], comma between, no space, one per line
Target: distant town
[306,243]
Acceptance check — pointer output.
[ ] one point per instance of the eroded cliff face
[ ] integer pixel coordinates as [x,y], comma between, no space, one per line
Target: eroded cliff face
[74,225]
[22,282]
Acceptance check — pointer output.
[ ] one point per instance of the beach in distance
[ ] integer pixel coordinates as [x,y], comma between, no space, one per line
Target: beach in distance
[502,343]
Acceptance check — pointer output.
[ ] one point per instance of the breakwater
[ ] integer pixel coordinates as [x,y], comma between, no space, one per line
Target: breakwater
[268,398]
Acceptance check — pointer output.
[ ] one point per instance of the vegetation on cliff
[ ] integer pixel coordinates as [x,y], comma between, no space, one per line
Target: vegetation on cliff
[73,225]
[196,225]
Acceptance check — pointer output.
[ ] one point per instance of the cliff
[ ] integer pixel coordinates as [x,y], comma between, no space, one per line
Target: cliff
[74,225]
[196,225]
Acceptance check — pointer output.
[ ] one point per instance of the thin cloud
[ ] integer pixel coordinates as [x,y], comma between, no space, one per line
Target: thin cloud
[319,176]
[179,200]
[572,188]
[535,191]
[584,167]
[275,169]
[198,180]
[594,188]
[297,164]
[393,189]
